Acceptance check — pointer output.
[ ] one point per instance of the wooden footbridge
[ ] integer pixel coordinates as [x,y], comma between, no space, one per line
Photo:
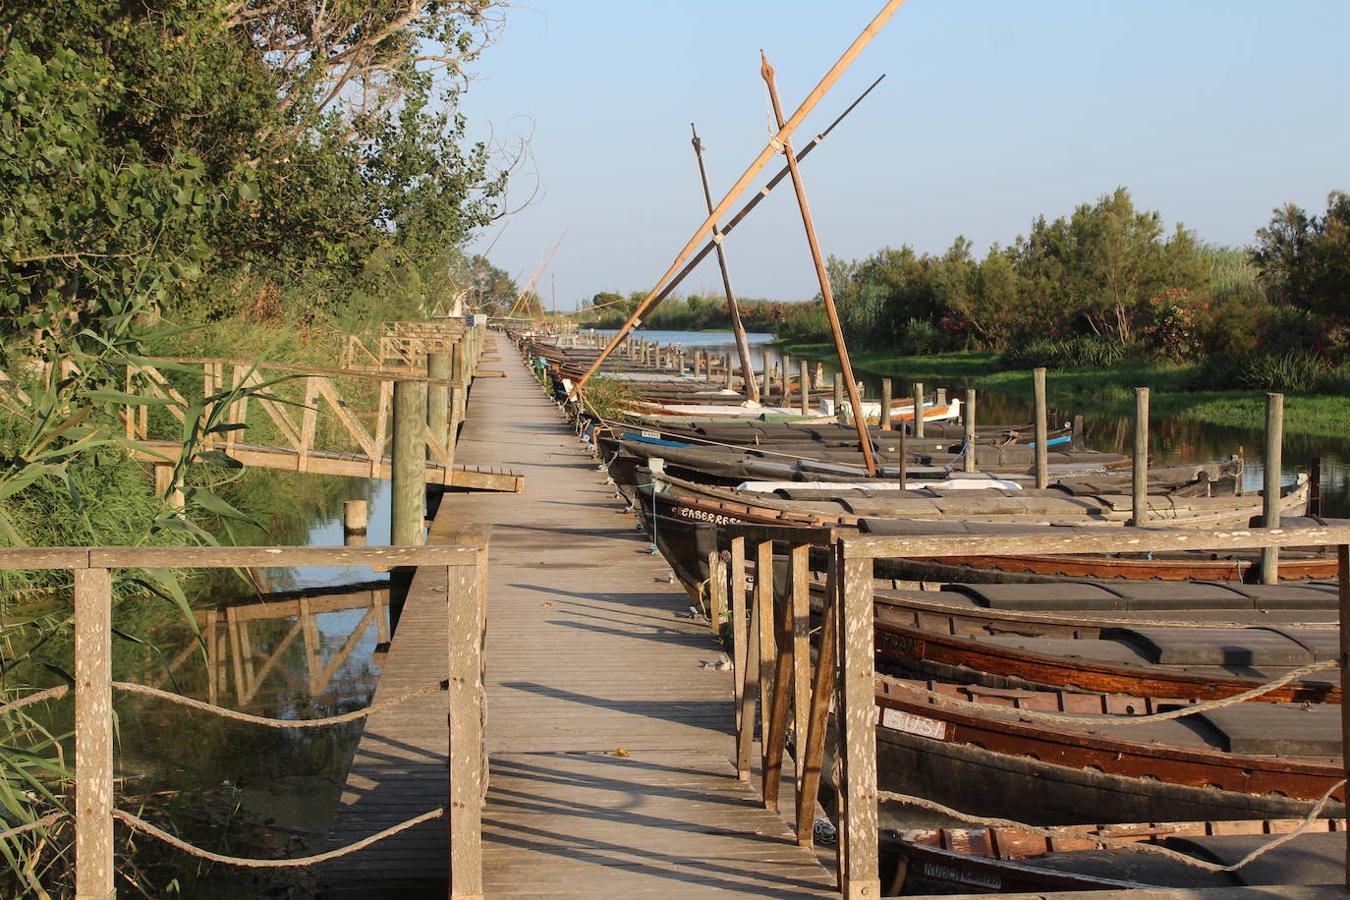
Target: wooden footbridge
[551,719]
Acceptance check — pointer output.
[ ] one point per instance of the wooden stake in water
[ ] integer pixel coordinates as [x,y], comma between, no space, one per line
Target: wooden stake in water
[885,416]
[1042,431]
[968,420]
[1140,472]
[804,386]
[918,409]
[1271,465]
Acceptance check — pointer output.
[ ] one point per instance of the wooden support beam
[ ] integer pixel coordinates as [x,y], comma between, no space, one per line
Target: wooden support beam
[468,757]
[741,675]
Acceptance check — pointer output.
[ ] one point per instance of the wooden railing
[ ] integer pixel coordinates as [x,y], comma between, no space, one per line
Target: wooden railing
[94,808]
[771,648]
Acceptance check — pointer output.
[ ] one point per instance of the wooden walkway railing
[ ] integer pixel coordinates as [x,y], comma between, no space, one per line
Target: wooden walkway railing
[94,807]
[771,652]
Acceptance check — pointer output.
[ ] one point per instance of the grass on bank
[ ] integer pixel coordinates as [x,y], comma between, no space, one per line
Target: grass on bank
[1106,391]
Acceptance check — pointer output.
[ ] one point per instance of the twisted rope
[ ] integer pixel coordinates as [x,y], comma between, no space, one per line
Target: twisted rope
[139,824]
[131,688]
[1058,718]
[49,819]
[51,693]
[1103,840]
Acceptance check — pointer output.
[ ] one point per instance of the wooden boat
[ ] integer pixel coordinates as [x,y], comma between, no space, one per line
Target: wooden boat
[1180,663]
[1002,860]
[1248,761]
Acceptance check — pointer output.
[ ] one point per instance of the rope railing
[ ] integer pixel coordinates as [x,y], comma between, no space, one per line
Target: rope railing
[139,824]
[1104,840]
[271,722]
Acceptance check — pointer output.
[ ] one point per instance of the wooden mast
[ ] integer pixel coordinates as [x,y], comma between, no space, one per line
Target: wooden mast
[827,295]
[760,161]
[733,309]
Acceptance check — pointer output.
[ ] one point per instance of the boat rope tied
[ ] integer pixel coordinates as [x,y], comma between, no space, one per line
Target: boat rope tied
[146,690]
[49,819]
[1116,843]
[139,824]
[51,693]
[1032,715]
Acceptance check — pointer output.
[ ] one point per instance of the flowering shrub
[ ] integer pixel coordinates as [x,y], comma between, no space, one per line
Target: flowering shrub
[1175,325]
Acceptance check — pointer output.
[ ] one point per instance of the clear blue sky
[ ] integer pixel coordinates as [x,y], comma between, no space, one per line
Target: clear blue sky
[992,112]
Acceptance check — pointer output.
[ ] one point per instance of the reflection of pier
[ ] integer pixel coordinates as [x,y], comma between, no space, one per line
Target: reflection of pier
[233,665]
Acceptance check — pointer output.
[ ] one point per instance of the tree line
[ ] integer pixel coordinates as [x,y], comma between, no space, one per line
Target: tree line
[1106,283]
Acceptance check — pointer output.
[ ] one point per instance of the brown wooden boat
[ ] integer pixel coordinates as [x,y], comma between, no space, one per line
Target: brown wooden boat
[1195,663]
[1248,761]
[1006,859]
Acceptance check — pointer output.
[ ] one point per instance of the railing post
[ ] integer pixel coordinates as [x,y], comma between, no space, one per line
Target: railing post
[409,467]
[1042,431]
[1139,516]
[438,398]
[467,756]
[1343,581]
[884,418]
[861,877]
[93,734]
[1272,463]
[968,422]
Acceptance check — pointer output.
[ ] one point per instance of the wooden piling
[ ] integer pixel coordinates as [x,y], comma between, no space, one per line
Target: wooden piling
[799,583]
[408,487]
[740,674]
[1042,430]
[941,396]
[93,734]
[1139,481]
[467,764]
[355,518]
[785,371]
[839,399]
[768,376]
[918,409]
[968,421]
[1343,583]
[884,419]
[804,387]
[1272,463]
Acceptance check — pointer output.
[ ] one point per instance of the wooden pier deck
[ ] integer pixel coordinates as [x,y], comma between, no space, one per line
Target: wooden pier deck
[610,744]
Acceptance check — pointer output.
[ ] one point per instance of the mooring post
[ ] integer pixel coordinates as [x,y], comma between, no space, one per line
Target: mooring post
[904,458]
[1139,480]
[804,385]
[785,375]
[1315,486]
[93,734]
[839,400]
[355,517]
[768,376]
[1271,465]
[1042,431]
[409,467]
[884,417]
[941,396]
[968,422]
[1078,432]
[726,370]
[918,409]
[438,397]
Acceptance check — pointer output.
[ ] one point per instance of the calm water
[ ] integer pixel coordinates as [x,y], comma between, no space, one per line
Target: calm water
[234,787]
[1171,440]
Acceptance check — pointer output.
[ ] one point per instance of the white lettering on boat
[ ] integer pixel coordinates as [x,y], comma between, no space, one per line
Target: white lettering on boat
[899,720]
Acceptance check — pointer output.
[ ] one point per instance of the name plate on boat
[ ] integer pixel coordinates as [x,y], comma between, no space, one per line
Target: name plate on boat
[899,720]
[650,434]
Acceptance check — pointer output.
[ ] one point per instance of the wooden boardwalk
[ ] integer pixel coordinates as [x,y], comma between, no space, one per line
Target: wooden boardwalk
[610,744]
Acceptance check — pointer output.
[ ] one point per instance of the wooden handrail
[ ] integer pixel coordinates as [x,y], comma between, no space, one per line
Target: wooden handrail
[233,557]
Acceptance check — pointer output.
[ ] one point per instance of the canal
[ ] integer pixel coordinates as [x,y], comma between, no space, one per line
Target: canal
[1172,440]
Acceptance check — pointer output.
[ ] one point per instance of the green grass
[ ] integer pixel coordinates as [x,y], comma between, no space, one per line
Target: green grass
[1107,391]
